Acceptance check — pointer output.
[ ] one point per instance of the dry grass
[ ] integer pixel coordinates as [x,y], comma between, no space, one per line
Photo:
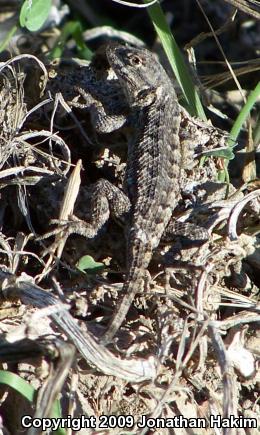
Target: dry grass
[190,345]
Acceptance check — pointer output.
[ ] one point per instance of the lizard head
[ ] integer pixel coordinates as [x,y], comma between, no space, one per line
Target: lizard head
[139,72]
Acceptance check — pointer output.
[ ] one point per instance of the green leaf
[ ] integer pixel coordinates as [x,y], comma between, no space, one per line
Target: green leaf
[89,265]
[225,153]
[18,384]
[34,13]
[28,392]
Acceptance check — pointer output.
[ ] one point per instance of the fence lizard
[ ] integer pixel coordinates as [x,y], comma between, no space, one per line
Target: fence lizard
[153,163]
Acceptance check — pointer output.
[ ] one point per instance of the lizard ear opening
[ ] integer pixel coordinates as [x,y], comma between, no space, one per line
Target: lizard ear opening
[145,97]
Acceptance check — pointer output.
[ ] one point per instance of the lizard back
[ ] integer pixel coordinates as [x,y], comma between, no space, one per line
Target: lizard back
[153,164]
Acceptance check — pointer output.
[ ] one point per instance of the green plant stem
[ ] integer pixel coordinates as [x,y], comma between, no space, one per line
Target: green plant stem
[238,124]
[8,37]
[176,60]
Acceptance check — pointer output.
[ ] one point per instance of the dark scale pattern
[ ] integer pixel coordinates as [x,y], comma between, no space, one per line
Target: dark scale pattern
[148,104]
[153,166]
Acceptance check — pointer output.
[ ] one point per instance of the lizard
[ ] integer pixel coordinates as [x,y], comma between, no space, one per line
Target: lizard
[154,164]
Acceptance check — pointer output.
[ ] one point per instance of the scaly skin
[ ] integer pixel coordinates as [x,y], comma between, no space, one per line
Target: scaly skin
[153,164]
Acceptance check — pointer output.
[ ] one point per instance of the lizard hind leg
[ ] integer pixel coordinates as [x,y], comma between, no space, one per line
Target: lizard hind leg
[106,199]
[188,230]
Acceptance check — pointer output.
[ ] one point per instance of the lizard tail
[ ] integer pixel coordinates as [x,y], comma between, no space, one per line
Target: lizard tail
[130,288]
[133,284]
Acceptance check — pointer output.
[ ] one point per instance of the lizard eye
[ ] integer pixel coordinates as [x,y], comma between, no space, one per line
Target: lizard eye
[135,60]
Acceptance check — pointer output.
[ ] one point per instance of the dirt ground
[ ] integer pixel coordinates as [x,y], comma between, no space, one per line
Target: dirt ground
[186,360]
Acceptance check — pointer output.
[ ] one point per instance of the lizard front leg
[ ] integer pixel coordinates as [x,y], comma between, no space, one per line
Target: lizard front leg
[102,120]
